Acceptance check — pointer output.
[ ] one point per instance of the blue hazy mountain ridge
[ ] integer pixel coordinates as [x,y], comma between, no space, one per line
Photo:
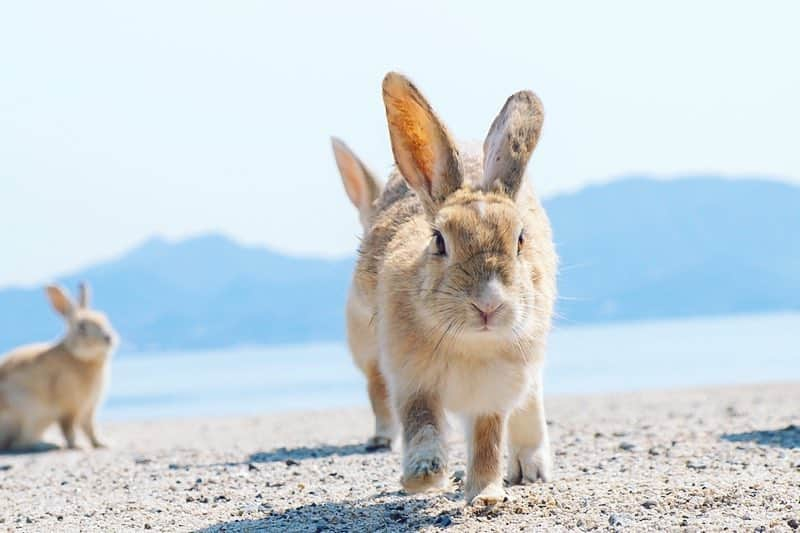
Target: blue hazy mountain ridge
[640,249]
[631,249]
[206,291]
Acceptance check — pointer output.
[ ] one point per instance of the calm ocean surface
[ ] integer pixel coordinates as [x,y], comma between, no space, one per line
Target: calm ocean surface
[581,359]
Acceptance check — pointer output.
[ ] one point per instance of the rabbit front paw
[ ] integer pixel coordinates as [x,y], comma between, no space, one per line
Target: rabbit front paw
[528,465]
[489,495]
[424,470]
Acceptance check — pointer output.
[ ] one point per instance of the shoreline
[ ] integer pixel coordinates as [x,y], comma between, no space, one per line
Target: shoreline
[558,397]
[308,377]
[703,458]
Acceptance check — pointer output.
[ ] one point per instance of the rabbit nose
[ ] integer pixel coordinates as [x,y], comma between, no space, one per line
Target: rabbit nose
[486,310]
[489,299]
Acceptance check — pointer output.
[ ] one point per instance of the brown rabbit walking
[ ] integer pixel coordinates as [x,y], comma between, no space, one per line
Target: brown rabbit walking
[453,294]
[63,382]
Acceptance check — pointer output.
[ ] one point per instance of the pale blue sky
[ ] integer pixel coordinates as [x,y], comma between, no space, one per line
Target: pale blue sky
[119,121]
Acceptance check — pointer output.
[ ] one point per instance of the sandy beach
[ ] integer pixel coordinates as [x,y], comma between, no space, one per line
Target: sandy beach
[701,459]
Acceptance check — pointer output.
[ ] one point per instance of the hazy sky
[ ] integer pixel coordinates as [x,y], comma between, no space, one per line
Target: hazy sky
[122,120]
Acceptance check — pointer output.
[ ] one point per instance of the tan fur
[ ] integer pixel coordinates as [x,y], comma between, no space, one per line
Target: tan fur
[465,331]
[425,458]
[364,189]
[420,143]
[359,182]
[485,455]
[62,383]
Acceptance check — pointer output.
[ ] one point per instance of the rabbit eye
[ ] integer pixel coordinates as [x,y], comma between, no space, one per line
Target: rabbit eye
[520,241]
[82,329]
[440,247]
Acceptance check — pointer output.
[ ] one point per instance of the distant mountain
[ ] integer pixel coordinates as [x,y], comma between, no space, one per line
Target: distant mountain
[641,249]
[631,249]
[202,292]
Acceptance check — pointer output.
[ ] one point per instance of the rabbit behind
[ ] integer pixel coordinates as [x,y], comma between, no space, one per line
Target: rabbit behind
[363,189]
[63,382]
[458,270]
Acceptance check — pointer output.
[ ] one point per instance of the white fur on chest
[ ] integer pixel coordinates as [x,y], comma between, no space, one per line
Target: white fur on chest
[476,387]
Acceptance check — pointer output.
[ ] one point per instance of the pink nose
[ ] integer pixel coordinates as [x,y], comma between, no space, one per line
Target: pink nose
[486,310]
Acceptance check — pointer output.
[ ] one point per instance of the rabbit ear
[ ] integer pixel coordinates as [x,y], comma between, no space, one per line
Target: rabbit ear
[423,150]
[510,142]
[84,295]
[361,185]
[60,301]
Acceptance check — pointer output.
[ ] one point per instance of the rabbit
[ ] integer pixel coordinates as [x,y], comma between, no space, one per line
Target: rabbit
[61,382]
[363,189]
[454,292]
[360,184]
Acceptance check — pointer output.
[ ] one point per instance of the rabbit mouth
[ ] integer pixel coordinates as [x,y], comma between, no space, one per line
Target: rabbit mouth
[486,329]
[492,320]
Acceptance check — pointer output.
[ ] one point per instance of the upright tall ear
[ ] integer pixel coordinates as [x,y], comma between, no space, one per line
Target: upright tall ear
[60,301]
[424,153]
[510,142]
[84,295]
[360,184]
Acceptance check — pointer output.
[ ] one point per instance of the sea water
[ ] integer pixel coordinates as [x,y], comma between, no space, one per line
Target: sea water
[580,359]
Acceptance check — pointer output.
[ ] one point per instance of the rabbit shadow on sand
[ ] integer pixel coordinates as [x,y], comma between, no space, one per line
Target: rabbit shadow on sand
[39,447]
[411,515]
[313,452]
[293,456]
[788,437]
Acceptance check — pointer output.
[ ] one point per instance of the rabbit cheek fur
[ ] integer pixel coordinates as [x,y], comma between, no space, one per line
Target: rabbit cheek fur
[459,270]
